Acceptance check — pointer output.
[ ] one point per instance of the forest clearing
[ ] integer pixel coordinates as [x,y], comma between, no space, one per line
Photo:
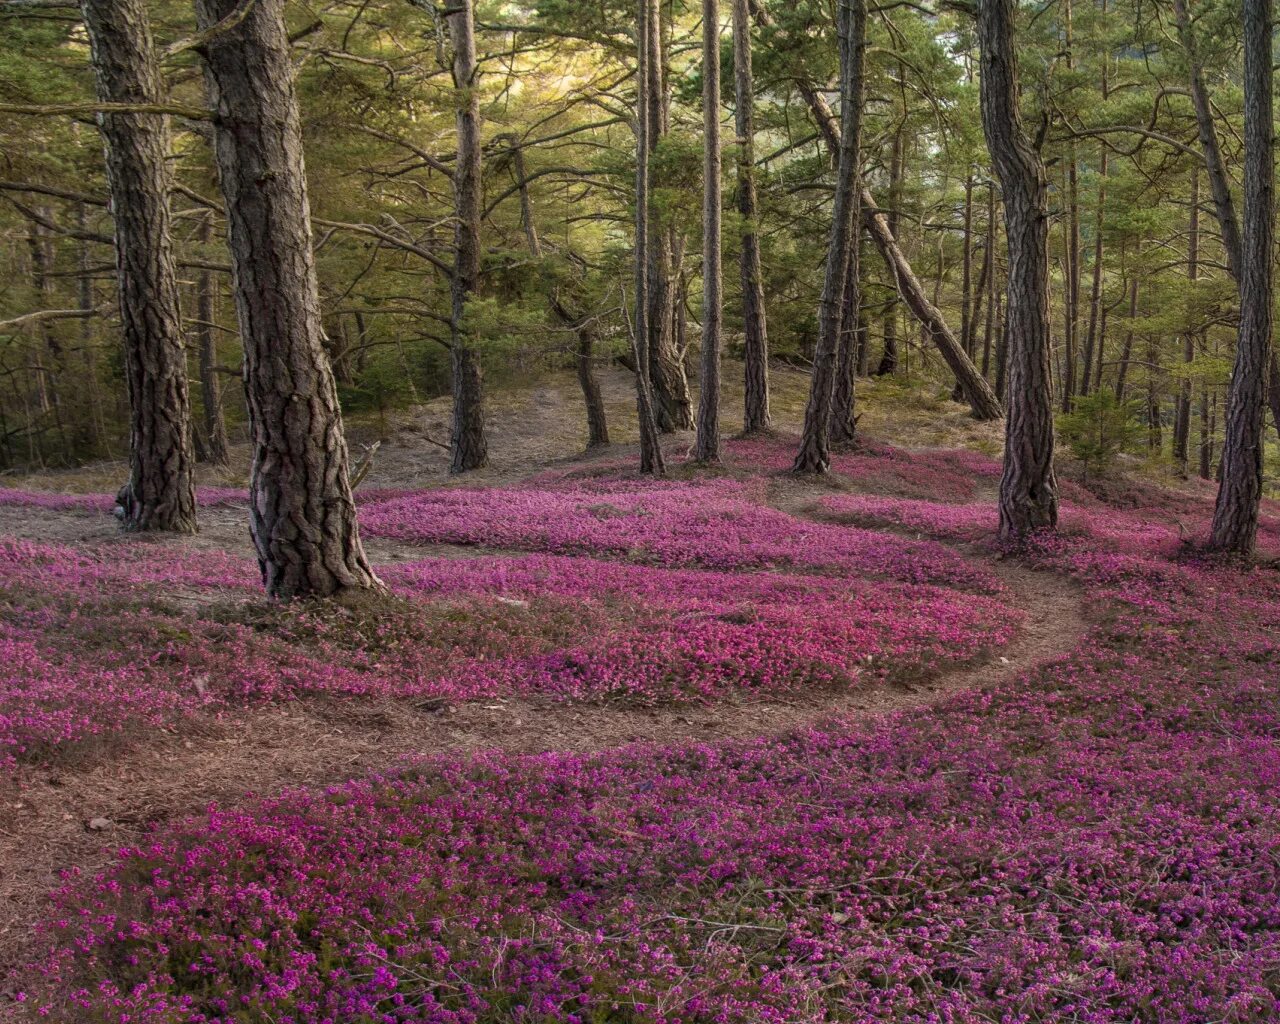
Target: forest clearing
[434,588]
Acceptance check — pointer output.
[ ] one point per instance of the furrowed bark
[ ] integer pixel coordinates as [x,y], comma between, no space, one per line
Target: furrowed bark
[755,334]
[1028,490]
[301,513]
[159,494]
[1235,516]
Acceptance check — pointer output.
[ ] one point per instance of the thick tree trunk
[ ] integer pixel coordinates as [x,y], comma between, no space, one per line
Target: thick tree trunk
[844,416]
[651,460]
[215,426]
[1028,490]
[755,335]
[468,444]
[159,494]
[814,455]
[989,273]
[1235,516]
[706,446]
[301,512]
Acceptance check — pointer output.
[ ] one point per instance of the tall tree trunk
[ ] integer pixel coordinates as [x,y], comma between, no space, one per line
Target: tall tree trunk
[651,460]
[844,417]
[215,426]
[755,335]
[706,446]
[1182,415]
[1219,183]
[814,455]
[468,444]
[889,358]
[668,382]
[1028,490]
[159,494]
[1235,516]
[301,513]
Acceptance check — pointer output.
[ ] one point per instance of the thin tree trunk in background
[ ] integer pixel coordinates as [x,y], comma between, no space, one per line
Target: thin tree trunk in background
[1182,415]
[1095,289]
[706,447]
[814,455]
[651,460]
[1206,437]
[1127,352]
[301,512]
[1028,490]
[215,426]
[989,273]
[159,494]
[889,359]
[977,392]
[1235,516]
[1155,433]
[468,444]
[597,420]
[84,278]
[755,335]
[46,388]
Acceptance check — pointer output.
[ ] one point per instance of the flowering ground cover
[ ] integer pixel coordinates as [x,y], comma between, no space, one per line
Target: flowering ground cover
[130,636]
[1098,841]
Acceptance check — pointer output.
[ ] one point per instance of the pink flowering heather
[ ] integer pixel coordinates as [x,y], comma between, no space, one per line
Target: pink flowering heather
[716,524]
[135,635]
[1096,842]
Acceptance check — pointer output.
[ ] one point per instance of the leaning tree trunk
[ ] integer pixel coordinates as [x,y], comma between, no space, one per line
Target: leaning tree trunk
[706,446]
[651,460]
[1028,490]
[814,455]
[215,425]
[468,445]
[301,512]
[755,336]
[889,356]
[1235,516]
[597,420]
[159,494]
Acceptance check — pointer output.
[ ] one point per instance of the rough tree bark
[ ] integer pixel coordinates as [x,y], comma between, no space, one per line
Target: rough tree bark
[301,512]
[1028,490]
[755,335]
[468,444]
[814,455]
[651,460]
[159,494]
[1235,516]
[844,415]
[706,446]
[215,425]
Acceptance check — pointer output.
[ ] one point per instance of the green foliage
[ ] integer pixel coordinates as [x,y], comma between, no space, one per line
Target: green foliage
[1100,427]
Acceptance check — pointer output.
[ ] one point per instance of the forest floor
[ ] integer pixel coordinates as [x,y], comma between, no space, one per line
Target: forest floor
[936,620]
